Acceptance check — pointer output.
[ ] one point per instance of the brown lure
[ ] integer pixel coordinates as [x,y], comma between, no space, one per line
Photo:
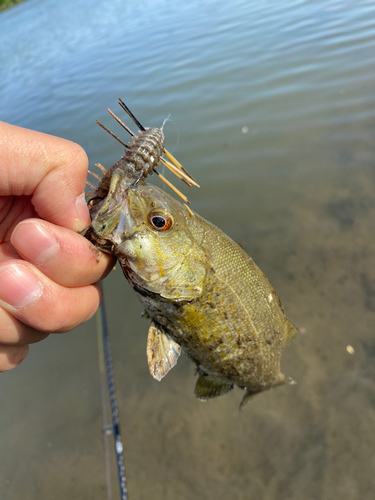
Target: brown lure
[141,159]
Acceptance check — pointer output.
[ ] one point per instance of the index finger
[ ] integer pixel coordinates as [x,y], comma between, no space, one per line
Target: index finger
[49,169]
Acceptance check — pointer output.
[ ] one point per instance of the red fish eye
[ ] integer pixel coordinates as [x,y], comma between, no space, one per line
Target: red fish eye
[160,222]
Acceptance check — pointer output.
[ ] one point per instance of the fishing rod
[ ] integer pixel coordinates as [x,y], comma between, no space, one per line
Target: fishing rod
[106,371]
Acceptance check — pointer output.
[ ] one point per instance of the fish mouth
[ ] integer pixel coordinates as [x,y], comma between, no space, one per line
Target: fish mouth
[112,219]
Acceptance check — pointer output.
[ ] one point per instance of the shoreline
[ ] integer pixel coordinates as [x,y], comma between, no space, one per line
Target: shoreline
[5,4]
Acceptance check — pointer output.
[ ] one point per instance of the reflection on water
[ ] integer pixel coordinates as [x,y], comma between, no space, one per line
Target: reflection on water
[273,112]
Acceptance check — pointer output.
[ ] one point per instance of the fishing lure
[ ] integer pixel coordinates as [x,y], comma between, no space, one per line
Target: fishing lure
[142,157]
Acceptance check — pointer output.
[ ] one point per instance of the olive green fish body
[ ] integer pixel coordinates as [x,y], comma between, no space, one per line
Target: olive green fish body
[236,329]
[204,294]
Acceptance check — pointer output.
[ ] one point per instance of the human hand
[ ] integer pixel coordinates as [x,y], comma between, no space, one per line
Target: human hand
[47,271]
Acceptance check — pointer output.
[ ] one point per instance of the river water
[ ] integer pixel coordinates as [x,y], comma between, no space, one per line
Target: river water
[273,112]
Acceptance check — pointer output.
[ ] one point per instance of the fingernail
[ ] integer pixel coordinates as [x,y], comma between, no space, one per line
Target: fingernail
[82,211]
[18,286]
[34,242]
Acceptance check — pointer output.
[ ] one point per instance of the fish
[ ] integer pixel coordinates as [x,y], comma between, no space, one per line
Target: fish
[204,295]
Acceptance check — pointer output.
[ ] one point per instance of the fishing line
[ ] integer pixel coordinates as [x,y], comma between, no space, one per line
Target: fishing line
[168,119]
[105,363]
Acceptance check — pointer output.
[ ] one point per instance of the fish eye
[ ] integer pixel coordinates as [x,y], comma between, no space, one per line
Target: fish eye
[93,201]
[159,221]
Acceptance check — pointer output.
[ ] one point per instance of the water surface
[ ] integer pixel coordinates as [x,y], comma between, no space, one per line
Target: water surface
[273,112]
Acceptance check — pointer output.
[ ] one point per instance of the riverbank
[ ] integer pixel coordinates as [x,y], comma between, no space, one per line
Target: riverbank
[4,4]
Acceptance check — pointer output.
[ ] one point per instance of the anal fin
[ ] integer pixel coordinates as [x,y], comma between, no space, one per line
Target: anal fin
[281,380]
[162,352]
[247,396]
[209,386]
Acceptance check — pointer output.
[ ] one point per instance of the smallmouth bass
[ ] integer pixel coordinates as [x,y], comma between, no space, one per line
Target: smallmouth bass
[203,293]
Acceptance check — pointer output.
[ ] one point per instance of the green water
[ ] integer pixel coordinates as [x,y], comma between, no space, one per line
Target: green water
[273,109]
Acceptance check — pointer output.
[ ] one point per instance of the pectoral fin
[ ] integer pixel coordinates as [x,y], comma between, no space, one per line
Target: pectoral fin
[162,352]
[208,387]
